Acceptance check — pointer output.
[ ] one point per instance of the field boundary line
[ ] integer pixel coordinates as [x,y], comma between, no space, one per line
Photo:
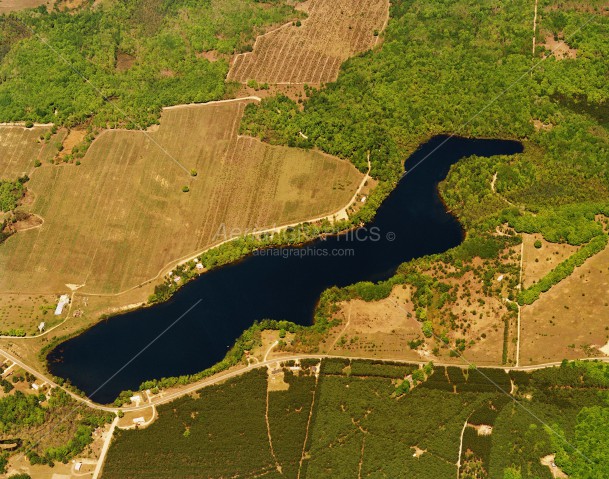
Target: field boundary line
[384,27]
[518,304]
[461,446]
[535,28]
[213,102]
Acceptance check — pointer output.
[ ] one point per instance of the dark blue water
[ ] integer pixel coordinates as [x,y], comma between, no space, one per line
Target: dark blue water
[411,222]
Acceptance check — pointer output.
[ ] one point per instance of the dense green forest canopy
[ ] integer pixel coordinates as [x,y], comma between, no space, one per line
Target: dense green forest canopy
[353,419]
[466,67]
[121,61]
[10,194]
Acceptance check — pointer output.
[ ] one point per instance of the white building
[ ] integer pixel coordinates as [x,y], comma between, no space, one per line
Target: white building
[64,300]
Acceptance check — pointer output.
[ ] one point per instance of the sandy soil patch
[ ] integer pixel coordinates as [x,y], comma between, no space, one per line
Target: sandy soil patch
[385,328]
[537,262]
[69,4]
[572,319]
[554,469]
[73,138]
[28,223]
[137,419]
[418,452]
[276,378]
[124,61]
[7,6]
[558,48]
[482,429]
[540,125]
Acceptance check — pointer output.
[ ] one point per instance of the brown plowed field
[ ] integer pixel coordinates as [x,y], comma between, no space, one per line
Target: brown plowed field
[120,217]
[20,147]
[313,53]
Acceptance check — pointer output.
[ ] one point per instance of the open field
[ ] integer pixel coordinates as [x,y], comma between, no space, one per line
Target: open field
[376,329]
[571,320]
[20,147]
[25,312]
[121,216]
[314,51]
[348,423]
[537,262]
[7,6]
[474,314]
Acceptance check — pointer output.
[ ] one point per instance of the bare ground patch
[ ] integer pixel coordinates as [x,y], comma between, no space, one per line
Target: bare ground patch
[558,48]
[376,329]
[7,6]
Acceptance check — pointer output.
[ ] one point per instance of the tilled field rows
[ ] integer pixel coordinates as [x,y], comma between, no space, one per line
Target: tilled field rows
[312,53]
[20,148]
[121,216]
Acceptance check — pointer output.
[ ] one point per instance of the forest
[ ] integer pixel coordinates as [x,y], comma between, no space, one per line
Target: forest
[28,418]
[10,194]
[356,421]
[118,64]
[466,68]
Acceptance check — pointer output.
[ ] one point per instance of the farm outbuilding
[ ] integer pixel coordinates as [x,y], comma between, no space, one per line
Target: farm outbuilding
[64,300]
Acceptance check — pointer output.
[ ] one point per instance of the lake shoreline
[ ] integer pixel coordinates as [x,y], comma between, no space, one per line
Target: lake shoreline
[305,311]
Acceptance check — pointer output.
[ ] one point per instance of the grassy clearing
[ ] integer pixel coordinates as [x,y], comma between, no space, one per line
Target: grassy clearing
[23,313]
[118,218]
[569,321]
[541,259]
[313,50]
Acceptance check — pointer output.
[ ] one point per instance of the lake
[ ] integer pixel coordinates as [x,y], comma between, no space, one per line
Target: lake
[280,283]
